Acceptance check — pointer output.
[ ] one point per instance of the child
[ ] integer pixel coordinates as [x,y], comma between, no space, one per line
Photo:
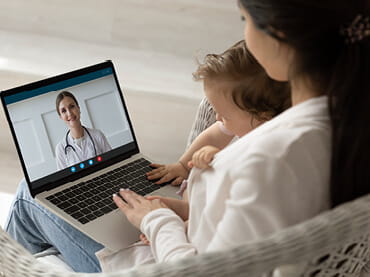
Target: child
[243,97]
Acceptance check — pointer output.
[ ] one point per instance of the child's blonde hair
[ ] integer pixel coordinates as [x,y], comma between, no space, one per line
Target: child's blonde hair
[251,88]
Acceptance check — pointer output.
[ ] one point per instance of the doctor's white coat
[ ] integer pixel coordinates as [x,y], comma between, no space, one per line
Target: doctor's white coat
[84,150]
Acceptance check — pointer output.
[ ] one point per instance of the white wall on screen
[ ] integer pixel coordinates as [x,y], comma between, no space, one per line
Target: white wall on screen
[31,147]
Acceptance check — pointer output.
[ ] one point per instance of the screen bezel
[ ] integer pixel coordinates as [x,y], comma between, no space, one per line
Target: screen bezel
[64,176]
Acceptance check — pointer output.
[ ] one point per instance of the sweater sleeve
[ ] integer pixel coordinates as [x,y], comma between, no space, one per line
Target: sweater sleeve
[167,234]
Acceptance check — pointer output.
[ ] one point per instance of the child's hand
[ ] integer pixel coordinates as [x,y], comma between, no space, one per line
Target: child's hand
[203,157]
[167,172]
[144,239]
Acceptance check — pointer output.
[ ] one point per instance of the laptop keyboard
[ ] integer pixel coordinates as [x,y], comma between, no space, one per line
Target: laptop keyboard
[89,200]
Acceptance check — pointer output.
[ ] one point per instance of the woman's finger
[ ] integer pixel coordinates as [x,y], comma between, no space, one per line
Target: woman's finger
[131,197]
[122,205]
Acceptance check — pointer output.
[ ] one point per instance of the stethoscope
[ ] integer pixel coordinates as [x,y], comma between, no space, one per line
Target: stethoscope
[68,145]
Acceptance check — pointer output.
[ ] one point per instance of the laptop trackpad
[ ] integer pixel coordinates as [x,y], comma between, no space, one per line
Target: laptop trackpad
[113,230]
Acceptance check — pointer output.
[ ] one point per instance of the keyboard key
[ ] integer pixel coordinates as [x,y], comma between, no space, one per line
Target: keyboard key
[63,197]
[106,194]
[72,209]
[81,197]
[95,191]
[77,215]
[98,213]
[64,205]
[93,208]
[82,205]
[70,194]
[55,201]
[91,217]
[74,200]
[83,220]
[106,210]
[78,191]
[89,201]
[96,198]
[86,211]
[107,201]
[100,204]
[141,192]
[59,194]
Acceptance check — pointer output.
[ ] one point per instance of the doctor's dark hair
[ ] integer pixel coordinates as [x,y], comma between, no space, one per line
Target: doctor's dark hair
[61,96]
[251,88]
[333,66]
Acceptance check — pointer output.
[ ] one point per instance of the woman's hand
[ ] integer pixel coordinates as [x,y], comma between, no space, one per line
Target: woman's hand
[136,206]
[165,173]
[203,157]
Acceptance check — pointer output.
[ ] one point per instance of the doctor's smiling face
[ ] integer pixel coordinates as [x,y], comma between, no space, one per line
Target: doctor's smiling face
[69,112]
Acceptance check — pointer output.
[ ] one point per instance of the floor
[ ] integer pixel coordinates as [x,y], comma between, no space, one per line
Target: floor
[155,46]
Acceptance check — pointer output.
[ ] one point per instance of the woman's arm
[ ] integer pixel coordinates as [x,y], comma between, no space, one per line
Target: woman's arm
[159,223]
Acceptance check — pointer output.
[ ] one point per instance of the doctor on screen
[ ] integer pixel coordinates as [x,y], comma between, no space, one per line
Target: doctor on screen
[79,143]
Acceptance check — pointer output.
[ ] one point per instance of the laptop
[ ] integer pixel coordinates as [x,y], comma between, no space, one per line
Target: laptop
[81,191]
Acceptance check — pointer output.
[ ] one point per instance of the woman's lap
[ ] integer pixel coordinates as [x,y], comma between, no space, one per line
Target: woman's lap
[37,229]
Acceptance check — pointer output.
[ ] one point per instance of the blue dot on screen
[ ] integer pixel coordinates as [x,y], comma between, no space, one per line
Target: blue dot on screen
[82,165]
[91,162]
[73,169]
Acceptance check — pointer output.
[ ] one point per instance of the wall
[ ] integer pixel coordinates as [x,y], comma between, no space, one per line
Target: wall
[153,43]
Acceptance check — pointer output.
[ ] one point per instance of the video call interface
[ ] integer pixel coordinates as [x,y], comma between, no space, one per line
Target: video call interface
[69,126]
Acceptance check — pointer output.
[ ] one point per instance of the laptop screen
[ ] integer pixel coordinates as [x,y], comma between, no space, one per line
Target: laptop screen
[68,126]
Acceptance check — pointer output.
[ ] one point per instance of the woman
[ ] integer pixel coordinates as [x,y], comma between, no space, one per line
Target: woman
[306,160]
[312,157]
[80,143]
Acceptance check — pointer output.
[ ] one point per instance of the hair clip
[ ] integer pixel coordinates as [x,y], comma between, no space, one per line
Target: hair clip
[357,30]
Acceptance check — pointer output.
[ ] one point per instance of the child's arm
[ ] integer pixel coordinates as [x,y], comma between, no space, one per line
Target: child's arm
[179,171]
[203,157]
[212,136]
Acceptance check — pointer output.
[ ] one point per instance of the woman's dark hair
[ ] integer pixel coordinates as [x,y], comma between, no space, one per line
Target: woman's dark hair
[251,88]
[334,67]
[60,97]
